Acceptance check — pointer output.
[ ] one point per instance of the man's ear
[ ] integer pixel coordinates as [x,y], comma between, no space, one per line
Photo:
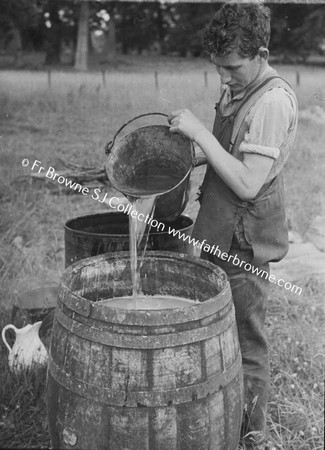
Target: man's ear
[263,53]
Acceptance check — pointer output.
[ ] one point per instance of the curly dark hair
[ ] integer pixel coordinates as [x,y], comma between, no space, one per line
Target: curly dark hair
[242,26]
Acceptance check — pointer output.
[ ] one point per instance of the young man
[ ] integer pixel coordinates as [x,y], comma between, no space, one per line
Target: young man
[242,198]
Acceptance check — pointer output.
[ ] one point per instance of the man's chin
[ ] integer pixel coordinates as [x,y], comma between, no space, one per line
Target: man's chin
[235,89]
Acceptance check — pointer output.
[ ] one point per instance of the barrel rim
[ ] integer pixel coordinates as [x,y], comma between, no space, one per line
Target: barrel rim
[167,317]
[88,308]
[144,338]
[117,213]
[153,254]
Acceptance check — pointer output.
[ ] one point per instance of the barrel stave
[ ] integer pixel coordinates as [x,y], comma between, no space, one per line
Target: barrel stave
[78,422]
[233,410]
[193,426]
[163,428]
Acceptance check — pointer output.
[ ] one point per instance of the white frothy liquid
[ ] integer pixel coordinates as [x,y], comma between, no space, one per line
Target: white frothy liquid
[145,302]
[137,230]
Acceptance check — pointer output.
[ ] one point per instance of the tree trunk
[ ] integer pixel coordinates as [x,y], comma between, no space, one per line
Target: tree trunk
[53,35]
[160,26]
[81,61]
[111,40]
[16,46]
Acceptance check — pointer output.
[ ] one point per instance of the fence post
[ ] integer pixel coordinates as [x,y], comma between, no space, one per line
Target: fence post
[206,79]
[81,89]
[156,80]
[49,81]
[104,78]
[297,78]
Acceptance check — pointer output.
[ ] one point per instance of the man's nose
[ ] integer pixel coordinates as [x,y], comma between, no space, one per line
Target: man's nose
[224,75]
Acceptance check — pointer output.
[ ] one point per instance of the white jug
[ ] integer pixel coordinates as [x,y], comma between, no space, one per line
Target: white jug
[28,349]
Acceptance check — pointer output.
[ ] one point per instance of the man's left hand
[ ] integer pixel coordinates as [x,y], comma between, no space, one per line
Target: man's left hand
[184,122]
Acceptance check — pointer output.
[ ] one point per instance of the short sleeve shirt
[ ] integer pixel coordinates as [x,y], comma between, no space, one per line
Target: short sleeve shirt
[268,124]
[265,131]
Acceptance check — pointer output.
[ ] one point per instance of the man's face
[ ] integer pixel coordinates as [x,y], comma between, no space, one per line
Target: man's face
[237,71]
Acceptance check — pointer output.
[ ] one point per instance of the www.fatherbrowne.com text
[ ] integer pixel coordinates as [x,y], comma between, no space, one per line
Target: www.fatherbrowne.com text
[114,203]
[214,250]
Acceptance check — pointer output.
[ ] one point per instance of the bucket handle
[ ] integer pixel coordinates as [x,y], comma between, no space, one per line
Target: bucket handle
[109,145]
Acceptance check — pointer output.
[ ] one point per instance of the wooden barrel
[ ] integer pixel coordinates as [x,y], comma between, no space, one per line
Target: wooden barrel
[167,379]
[96,234]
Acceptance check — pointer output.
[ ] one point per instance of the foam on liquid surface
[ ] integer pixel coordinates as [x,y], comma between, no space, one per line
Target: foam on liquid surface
[146,302]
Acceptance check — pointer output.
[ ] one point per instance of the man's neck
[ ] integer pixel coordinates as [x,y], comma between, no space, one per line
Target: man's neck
[264,66]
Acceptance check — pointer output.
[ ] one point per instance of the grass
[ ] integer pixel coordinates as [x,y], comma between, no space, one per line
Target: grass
[23,410]
[73,120]
[296,401]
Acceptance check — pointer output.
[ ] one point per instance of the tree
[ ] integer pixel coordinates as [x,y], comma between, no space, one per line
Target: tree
[311,33]
[186,25]
[137,26]
[297,30]
[17,18]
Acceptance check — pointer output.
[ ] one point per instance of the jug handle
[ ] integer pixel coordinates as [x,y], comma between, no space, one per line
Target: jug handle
[3,335]
[109,145]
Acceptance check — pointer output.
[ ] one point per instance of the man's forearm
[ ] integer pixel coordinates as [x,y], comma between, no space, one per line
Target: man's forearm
[232,171]
[245,177]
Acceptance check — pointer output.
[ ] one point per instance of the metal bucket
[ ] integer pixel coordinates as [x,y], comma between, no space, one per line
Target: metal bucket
[152,161]
[109,232]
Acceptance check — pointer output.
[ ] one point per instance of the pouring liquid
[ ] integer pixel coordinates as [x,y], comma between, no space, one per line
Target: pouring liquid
[137,230]
[147,183]
[152,184]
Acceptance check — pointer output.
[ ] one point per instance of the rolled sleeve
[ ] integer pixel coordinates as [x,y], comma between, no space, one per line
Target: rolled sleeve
[268,124]
[272,152]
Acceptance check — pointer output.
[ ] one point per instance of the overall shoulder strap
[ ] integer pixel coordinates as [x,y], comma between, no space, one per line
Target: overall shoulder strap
[220,99]
[258,90]
[252,97]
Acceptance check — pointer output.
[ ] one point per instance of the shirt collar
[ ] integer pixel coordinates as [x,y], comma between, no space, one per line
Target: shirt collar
[266,72]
